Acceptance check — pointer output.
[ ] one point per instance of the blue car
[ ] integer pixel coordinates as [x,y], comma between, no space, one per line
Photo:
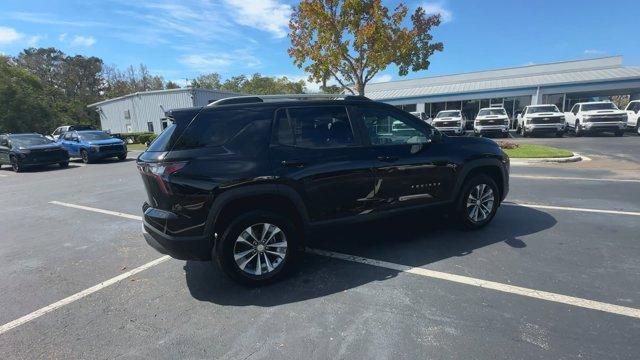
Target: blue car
[92,145]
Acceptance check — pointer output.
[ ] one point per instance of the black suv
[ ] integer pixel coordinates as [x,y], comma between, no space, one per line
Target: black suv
[243,179]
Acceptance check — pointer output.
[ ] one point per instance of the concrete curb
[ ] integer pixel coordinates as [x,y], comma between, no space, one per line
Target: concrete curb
[526,161]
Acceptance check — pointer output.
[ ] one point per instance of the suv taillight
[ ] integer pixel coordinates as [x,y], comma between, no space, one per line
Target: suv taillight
[160,172]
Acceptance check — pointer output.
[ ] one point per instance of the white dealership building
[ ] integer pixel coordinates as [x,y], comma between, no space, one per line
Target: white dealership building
[561,83]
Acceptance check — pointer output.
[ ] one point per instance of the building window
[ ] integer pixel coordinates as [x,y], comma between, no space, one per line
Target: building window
[150,126]
[519,103]
[127,114]
[470,108]
[454,105]
[436,108]
[555,99]
[408,107]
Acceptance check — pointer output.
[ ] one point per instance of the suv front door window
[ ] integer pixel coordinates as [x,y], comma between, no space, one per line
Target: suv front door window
[316,146]
[410,165]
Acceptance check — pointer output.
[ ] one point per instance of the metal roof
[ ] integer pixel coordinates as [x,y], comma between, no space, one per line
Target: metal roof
[531,76]
[167,91]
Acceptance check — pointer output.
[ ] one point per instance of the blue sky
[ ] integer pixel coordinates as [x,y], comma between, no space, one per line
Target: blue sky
[181,39]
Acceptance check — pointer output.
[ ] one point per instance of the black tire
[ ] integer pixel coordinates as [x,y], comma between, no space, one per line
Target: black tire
[15,164]
[122,157]
[224,249]
[619,133]
[461,210]
[578,132]
[85,156]
[560,134]
[505,135]
[64,164]
[522,132]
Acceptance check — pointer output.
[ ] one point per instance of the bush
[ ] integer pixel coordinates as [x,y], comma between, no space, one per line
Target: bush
[147,138]
[136,137]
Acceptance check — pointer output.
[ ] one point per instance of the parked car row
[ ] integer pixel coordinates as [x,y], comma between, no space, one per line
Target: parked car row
[597,116]
[30,149]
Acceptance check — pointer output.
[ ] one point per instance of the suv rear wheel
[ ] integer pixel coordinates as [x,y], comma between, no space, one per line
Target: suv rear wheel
[257,248]
[478,202]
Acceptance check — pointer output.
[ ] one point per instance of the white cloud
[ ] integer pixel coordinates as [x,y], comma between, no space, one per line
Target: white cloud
[50,19]
[267,15]
[82,41]
[438,8]
[381,78]
[218,62]
[62,37]
[9,35]
[594,52]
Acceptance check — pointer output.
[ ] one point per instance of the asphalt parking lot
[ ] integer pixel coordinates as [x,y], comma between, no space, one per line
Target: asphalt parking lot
[556,275]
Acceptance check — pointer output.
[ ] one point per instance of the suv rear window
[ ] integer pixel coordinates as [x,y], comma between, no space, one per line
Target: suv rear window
[210,128]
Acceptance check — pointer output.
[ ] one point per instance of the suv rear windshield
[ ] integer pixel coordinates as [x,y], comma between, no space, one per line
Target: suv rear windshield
[598,106]
[210,128]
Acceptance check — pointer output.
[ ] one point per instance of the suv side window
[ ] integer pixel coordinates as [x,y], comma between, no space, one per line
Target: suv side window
[314,127]
[68,136]
[386,127]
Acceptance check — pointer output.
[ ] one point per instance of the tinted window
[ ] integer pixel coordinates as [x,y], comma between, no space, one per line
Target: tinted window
[598,106]
[442,114]
[165,139]
[314,127]
[215,127]
[485,112]
[541,109]
[389,128]
[29,140]
[90,136]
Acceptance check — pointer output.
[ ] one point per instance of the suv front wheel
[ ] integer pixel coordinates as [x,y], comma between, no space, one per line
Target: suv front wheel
[478,202]
[257,248]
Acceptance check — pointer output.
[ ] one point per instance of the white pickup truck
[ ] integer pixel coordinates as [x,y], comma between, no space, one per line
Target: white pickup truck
[492,121]
[450,122]
[422,116]
[633,115]
[596,116]
[543,118]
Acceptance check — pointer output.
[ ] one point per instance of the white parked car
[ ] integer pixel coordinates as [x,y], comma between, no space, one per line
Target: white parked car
[450,122]
[63,129]
[633,115]
[492,120]
[596,116]
[422,116]
[543,118]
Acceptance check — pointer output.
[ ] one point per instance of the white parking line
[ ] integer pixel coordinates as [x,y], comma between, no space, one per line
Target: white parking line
[102,211]
[511,289]
[565,208]
[532,293]
[77,296]
[537,177]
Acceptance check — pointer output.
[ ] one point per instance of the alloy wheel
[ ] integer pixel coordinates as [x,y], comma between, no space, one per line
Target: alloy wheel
[260,249]
[480,202]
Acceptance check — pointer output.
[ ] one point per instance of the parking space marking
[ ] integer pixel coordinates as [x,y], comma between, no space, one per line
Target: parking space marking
[538,177]
[568,208]
[102,211]
[485,284]
[77,296]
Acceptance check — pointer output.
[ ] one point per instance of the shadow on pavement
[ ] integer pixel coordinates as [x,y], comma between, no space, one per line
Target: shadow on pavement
[417,240]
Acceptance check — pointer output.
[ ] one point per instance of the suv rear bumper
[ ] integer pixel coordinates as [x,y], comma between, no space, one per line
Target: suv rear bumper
[182,248]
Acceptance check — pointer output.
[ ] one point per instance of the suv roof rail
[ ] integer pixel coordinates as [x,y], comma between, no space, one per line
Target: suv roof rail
[261,98]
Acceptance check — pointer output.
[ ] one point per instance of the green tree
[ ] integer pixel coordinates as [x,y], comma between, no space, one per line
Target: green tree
[353,40]
[171,85]
[207,81]
[263,85]
[22,100]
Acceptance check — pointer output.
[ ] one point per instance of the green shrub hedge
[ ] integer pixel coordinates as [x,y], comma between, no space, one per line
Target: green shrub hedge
[136,137]
[147,138]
